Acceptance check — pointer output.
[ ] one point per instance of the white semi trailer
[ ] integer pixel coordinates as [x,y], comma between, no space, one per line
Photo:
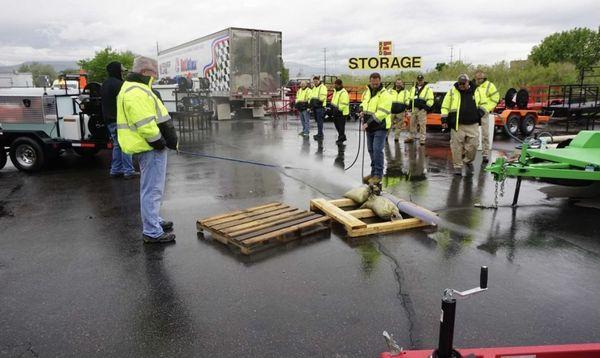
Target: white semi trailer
[242,66]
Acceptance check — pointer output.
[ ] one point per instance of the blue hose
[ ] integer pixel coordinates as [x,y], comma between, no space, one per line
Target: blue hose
[197,154]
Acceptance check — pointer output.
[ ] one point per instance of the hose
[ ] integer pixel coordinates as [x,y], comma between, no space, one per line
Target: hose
[197,154]
[358,151]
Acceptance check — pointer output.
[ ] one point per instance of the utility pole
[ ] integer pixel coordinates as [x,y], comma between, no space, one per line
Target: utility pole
[324,62]
[156,48]
[459,53]
[451,53]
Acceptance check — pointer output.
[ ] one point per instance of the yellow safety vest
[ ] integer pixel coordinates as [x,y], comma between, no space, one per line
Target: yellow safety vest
[402,96]
[139,112]
[320,93]
[302,95]
[379,106]
[341,101]
[489,95]
[426,94]
[451,103]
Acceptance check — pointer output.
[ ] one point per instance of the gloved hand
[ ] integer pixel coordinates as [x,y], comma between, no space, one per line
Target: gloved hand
[444,120]
[482,111]
[158,144]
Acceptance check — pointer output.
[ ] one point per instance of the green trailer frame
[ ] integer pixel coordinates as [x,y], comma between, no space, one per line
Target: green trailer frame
[579,161]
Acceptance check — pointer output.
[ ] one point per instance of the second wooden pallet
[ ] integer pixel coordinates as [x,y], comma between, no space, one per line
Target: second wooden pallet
[344,211]
[263,226]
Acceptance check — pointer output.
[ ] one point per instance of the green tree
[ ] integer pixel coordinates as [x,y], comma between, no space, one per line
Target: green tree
[96,66]
[440,66]
[285,73]
[579,46]
[39,72]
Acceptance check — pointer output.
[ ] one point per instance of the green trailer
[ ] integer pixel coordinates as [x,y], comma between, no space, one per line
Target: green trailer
[576,164]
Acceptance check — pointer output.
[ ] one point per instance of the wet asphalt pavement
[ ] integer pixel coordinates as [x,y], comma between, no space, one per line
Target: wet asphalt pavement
[76,280]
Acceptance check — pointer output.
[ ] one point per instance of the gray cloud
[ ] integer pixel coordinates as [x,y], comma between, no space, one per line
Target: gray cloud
[483,32]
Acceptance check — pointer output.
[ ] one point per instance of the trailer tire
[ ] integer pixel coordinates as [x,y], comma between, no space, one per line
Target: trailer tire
[512,124]
[27,154]
[527,125]
[2,157]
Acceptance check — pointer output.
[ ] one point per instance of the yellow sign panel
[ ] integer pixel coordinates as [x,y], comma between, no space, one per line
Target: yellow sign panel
[385,48]
[384,62]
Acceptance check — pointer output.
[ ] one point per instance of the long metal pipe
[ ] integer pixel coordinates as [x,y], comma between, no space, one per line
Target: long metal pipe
[413,210]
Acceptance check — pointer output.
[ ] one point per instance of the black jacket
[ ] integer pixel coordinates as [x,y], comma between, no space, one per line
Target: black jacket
[468,112]
[110,90]
[167,129]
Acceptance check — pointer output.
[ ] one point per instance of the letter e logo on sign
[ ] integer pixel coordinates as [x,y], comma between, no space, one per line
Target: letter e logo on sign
[385,48]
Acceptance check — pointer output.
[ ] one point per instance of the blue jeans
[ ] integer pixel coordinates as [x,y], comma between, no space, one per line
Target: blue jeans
[153,168]
[319,117]
[121,163]
[305,119]
[375,144]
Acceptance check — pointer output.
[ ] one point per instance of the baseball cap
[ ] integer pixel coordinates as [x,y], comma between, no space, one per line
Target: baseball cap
[463,78]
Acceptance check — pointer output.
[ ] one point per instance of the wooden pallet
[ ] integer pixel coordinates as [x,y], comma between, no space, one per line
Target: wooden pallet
[263,226]
[344,212]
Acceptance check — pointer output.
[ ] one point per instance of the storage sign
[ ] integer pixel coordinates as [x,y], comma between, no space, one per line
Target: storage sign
[385,60]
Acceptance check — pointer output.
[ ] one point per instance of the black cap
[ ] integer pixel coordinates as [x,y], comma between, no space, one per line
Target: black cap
[420,77]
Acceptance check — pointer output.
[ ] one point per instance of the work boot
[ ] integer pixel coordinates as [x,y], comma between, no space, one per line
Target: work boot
[317,137]
[131,176]
[396,139]
[167,225]
[116,175]
[457,171]
[164,238]
[375,185]
[409,140]
[366,179]
[422,142]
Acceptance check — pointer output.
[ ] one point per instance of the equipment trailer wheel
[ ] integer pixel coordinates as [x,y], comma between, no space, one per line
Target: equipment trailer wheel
[512,124]
[2,157]
[27,154]
[527,125]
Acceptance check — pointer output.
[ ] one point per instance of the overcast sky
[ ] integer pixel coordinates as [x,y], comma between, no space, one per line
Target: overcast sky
[483,32]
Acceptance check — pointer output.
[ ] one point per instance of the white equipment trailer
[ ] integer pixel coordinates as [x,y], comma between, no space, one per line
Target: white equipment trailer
[36,124]
[242,68]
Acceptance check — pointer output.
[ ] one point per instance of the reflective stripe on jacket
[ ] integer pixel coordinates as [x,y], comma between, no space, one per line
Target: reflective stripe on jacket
[341,101]
[425,94]
[302,95]
[489,95]
[139,112]
[451,103]
[402,96]
[379,107]
[320,93]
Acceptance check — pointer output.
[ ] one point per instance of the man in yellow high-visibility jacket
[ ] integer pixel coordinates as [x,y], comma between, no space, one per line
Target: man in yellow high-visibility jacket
[144,128]
[318,102]
[301,104]
[421,97]
[376,107]
[489,99]
[400,100]
[340,108]
[460,112]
